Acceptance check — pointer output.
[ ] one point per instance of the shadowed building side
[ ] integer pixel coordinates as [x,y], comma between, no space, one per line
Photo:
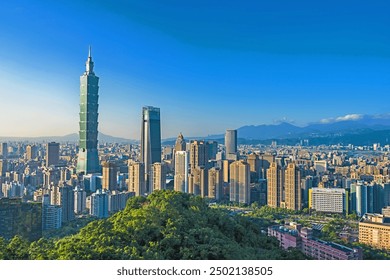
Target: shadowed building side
[150,140]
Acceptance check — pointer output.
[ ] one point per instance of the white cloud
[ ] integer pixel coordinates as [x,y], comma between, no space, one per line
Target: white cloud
[349,117]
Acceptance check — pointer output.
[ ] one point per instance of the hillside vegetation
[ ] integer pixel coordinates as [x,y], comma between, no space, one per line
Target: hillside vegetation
[165,225]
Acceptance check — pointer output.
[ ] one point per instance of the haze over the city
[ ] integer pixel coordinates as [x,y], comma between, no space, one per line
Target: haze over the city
[208,69]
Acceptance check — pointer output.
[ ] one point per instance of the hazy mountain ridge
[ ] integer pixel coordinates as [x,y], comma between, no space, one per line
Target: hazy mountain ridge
[73,137]
[365,137]
[287,130]
[336,128]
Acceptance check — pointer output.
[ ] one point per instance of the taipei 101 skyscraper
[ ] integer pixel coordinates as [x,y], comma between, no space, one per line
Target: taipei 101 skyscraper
[88,160]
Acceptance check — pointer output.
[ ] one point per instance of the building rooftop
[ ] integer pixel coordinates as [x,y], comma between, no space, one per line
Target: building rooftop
[374,218]
[286,229]
[335,245]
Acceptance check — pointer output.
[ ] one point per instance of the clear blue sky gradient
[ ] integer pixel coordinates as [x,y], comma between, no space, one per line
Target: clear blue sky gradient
[209,65]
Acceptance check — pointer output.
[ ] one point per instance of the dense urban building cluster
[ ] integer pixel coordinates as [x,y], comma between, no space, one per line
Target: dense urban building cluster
[46,185]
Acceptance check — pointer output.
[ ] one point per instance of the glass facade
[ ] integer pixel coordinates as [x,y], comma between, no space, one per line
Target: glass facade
[150,139]
[88,160]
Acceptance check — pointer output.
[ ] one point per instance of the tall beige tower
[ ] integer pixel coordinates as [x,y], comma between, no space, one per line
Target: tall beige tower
[215,184]
[198,181]
[254,162]
[239,182]
[31,152]
[110,170]
[158,176]
[137,178]
[180,144]
[226,170]
[181,171]
[274,185]
[292,187]
[198,154]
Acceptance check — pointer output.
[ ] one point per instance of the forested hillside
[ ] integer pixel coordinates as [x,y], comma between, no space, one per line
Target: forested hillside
[165,225]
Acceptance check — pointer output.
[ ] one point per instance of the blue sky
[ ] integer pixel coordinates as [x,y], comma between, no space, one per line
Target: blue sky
[209,65]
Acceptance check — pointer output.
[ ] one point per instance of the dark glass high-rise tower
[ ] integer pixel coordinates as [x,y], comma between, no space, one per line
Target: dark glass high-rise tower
[88,160]
[150,139]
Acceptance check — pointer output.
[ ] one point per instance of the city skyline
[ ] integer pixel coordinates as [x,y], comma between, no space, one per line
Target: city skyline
[252,63]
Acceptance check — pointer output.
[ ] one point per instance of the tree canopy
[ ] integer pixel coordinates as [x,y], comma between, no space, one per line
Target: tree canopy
[164,225]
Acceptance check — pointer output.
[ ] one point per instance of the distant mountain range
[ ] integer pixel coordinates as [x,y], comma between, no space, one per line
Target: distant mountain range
[355,129]
[350,124]
[74,137]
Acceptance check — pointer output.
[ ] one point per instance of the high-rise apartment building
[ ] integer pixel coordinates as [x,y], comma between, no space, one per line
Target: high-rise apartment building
[292,187]
[3,167]
[181,171]
[88,160]
[198,181]
[51,176]
[254,162]
[198,154]
[180,144]
[52,153]
[212,149]
[361,196]
[231,144]
[80,200]
[226,170]
[275,182]
[158,176]
[368,198]
[265,163]
[65,174]
[90,182]
[215,183]
[136,182]
[4,150]
[51,214]
[240,182]
[31,152]
[110,171]
[307,183]
[64,196]
[117,200]
[99,204]
[255,167]
[150,139]
[12,189]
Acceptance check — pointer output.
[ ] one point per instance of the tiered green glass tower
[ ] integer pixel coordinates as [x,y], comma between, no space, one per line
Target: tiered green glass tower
[88,160]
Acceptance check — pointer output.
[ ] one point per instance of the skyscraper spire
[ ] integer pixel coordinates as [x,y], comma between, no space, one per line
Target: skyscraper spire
[89,63]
